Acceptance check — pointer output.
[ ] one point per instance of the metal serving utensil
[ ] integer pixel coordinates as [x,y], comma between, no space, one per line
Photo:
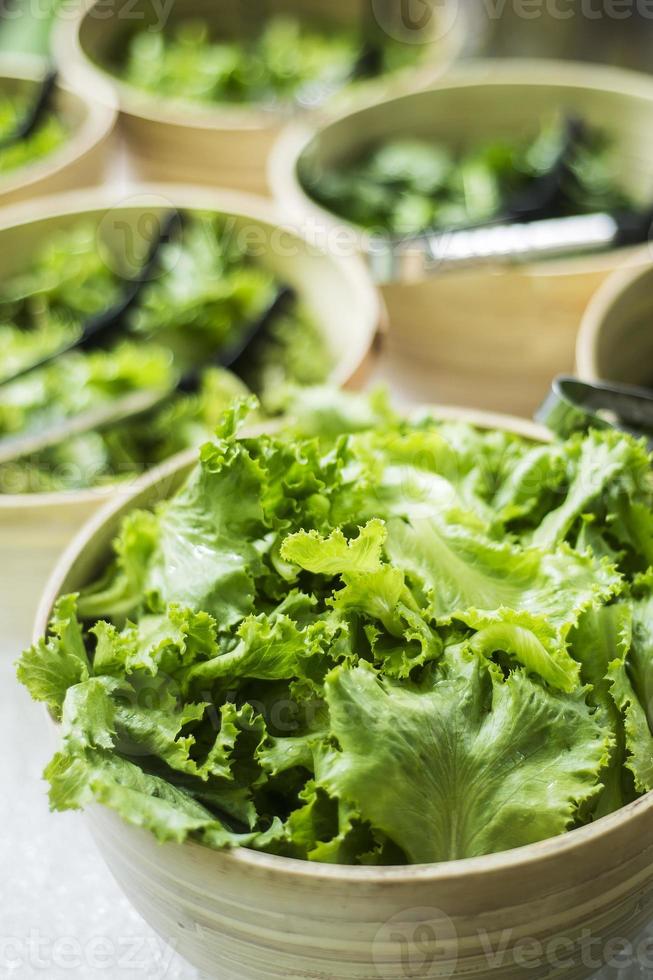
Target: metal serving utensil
[427,254]
[101,327]
[573,406]
[527,230]
[34,114]
[138,403]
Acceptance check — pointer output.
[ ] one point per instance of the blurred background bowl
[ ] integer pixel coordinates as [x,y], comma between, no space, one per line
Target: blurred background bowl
[346,307]
[81,160]
[615,342]
[245,915]
[493,336]
[224,144]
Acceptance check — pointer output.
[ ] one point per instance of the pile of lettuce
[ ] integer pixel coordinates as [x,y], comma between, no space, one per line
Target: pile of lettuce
[407,186]
[208,289]
[48,136]
[411,642]
[287,60]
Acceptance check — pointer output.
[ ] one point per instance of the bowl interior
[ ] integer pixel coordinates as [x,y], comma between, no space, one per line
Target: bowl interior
[494,103]
[71,109]
[69,106]
[327,285]
[109,24]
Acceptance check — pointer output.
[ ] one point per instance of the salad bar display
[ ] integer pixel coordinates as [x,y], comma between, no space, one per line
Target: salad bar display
[347,684]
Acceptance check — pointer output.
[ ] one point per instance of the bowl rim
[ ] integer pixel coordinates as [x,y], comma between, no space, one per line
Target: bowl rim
[351,270]
[640,266]
[475,74]
[99,118]
[245,858]
[82,71]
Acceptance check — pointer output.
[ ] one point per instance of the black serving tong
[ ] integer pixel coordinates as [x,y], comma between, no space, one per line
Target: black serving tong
[546,195]
[139,403]
[101,328]
[368,62]
[234,355]
[35,113]
[574,406]
[532,226]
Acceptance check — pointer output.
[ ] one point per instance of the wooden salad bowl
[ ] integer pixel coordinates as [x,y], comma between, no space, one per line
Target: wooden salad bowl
[615,342]
[222,145]
[551,909]
[80,161]
[35,527]
[491,336]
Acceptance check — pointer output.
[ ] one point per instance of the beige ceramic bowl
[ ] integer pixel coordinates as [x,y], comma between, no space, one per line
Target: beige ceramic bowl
[548,910]
[226,145]
[80,161]
[616,336]
[35,527]
[492,337]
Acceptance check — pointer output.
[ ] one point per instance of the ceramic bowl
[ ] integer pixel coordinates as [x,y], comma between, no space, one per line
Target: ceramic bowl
[81,160]
[491,336]
[615,342]
[555,909]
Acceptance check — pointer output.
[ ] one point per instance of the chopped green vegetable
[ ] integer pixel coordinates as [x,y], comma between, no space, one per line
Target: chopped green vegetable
[49,135]
[407,186]
[366,641]
[209,289]
[286,60]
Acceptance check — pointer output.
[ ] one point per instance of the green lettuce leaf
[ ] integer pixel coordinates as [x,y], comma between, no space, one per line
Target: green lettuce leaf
[406,643]
[208,550]
[54,664]
[470,765]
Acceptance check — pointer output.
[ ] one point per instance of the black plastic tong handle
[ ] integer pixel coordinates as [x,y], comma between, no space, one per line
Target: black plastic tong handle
[230,356]
[101,327]
[545,195]
[34,114]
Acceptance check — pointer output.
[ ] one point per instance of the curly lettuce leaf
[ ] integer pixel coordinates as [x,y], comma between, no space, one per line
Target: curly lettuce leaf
[209,537]
[478,764]
[348,648]
[57,662]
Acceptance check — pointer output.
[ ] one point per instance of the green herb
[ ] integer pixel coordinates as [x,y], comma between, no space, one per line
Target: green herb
[414,642]
[284,60]
[48,136]
[208,290]
[409,186]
